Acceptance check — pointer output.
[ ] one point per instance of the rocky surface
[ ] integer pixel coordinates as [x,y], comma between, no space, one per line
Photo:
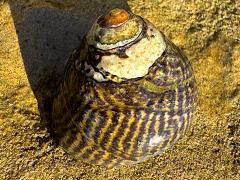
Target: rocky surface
[37,36]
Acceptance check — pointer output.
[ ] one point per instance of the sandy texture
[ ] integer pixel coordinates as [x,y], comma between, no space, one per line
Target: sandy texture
[37,36]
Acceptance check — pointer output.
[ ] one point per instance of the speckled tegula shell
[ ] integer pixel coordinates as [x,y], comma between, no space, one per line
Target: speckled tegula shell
[128,93]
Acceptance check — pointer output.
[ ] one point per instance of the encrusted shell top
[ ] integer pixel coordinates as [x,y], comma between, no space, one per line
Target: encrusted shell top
[117,28]
[126,37]
[128,93]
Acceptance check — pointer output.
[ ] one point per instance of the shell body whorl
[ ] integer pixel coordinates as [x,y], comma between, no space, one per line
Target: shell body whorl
[124,100]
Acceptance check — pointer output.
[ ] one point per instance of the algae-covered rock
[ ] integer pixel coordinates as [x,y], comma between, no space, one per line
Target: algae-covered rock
[36,38]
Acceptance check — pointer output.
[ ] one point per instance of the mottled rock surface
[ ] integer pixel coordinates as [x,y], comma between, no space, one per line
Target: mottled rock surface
[37,36]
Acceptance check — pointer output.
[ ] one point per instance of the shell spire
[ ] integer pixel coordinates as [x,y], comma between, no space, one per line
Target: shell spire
[116,28]
[115,17]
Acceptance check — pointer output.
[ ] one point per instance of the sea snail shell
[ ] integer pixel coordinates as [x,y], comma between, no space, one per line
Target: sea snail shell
[128,93]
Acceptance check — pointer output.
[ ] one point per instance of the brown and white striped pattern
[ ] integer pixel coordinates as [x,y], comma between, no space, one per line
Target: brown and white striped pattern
[124,123]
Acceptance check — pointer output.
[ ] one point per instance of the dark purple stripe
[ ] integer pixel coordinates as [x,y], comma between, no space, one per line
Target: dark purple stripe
[99,153]
[183,120]
[140,135]
[180,100]
[151,132]
[123,126]
[161,123]
[110,129]
[86,131]
[89,122]
[171,97]
[87,154]
[101,121]
[133,127]
[173,139]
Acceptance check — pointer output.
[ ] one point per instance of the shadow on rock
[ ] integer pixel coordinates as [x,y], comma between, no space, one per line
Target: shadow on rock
[47,35]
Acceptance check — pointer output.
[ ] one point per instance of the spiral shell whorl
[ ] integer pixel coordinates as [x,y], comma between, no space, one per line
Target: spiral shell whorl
[120,121]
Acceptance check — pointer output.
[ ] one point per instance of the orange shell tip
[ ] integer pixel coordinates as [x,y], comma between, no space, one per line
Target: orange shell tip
[116,17]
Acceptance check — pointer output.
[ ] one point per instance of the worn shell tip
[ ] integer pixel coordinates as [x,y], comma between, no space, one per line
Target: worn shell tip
[116,17]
